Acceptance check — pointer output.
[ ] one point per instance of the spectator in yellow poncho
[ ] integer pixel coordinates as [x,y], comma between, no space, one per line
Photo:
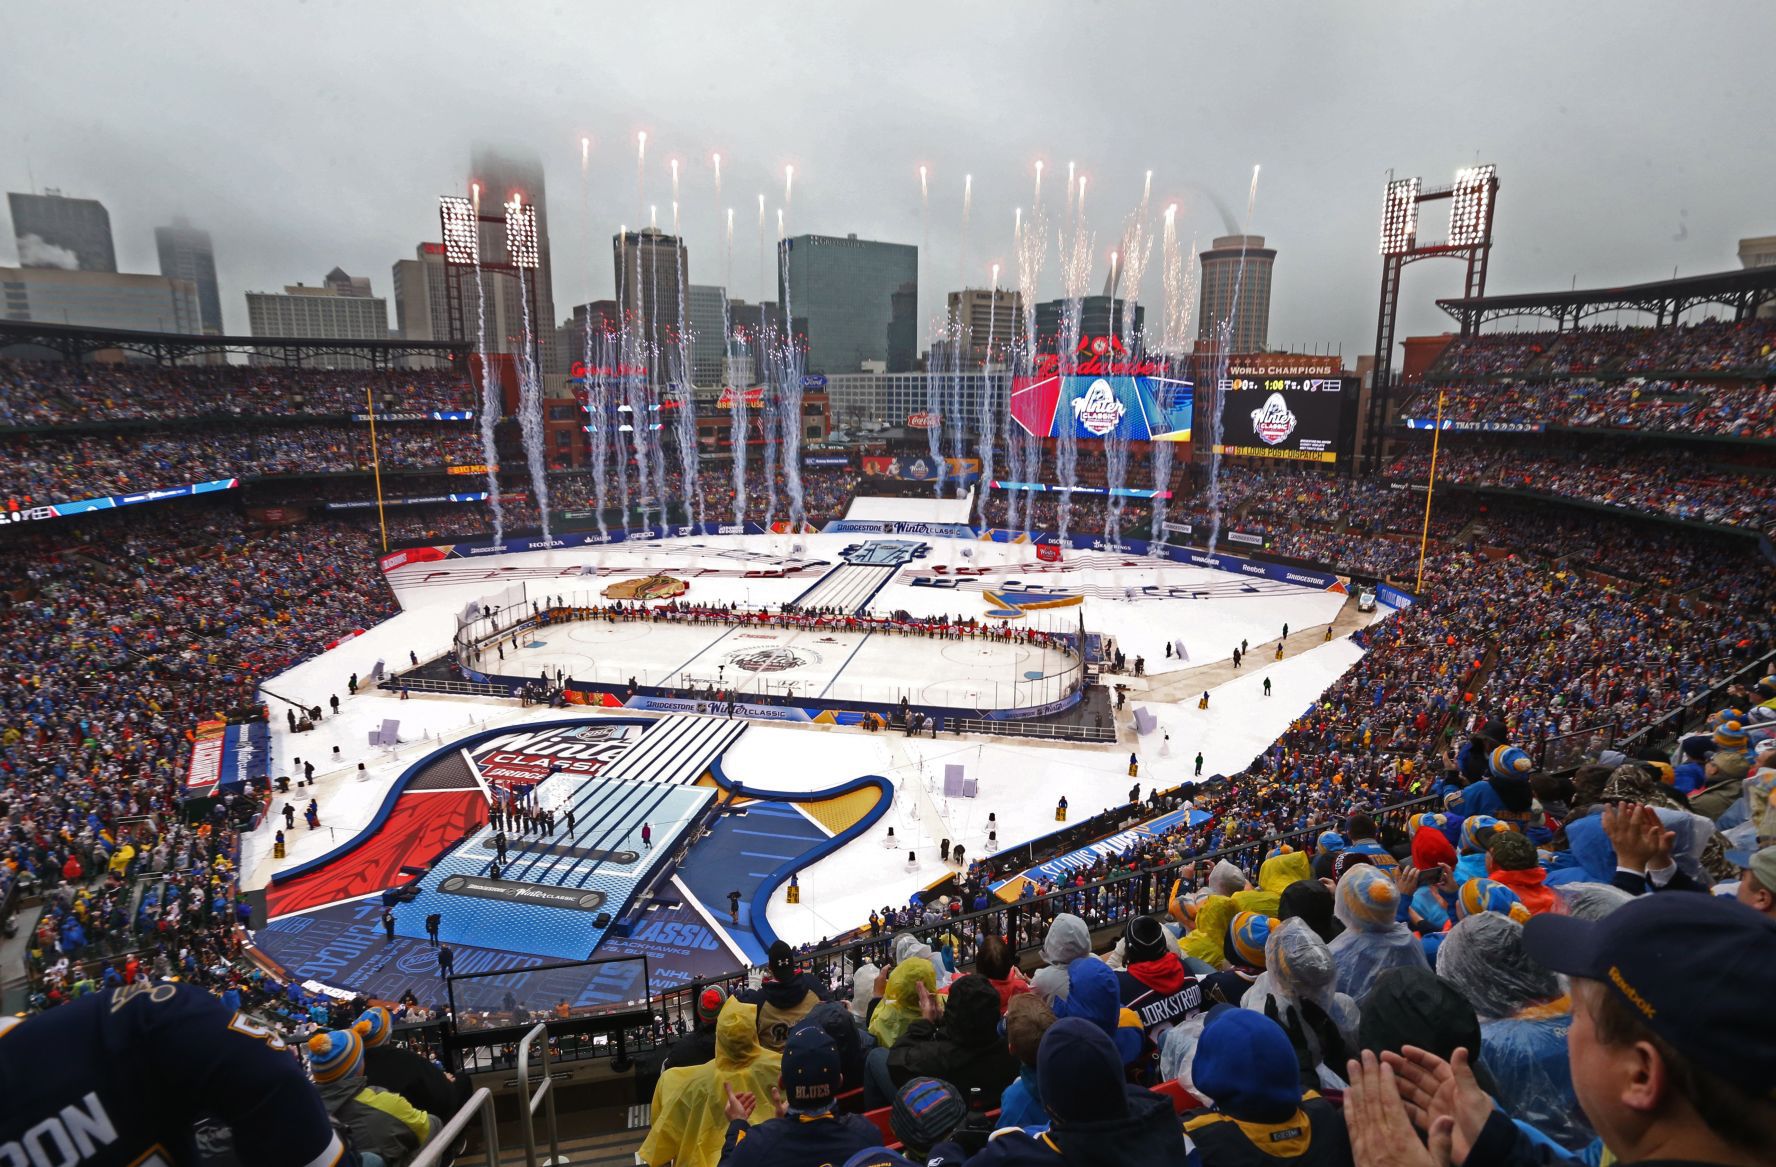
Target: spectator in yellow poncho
[900,1003]
[689,1122]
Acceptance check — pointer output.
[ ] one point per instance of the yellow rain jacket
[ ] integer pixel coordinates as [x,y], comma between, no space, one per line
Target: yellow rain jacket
[1207,941]
[900,1004]
[1275,875]
[689,1122]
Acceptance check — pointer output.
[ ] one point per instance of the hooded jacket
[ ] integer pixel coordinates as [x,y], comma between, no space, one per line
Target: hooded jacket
[781,1004]
[1068,939]
[1207,941]
[1161,994]
[965,1047]
[380,1121]
[689,1122]
[1096,1119]
[1530,884]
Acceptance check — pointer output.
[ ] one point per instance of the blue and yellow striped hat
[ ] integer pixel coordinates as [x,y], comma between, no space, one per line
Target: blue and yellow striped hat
[1369,897]
[1509,762]
[1489,895]
[1476,827]
[335,1054]
[1249,932]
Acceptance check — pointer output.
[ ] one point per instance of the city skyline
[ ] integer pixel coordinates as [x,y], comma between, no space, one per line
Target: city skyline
[1325,134]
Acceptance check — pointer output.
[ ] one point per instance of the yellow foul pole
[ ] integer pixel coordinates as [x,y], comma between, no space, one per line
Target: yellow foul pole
[1424,534]
[376,465]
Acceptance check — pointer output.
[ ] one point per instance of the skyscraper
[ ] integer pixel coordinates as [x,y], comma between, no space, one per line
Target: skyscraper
[991,319]
[186,254]
[1098,316]
[1243,262]
[503,173]
[342,308]
[53,231]
[421,309]
[846,288]
[707,306]
[650,267]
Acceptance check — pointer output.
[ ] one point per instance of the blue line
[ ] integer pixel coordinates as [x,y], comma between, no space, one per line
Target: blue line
[698,653]
[764,855]
[761,834]
[843,667]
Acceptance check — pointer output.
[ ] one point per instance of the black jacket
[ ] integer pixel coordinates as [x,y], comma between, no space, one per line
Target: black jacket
[797,1140]
[965,1048]
[416,1079]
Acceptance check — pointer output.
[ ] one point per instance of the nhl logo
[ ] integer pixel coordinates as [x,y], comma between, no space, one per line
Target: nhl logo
[1098,412]
[1273,422]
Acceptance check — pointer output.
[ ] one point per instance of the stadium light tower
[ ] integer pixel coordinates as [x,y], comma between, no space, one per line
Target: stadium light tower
[1473,196]
[463,221]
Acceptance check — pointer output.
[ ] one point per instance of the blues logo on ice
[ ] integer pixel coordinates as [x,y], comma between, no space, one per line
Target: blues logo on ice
[772,660]
[1273,422]
[1098,411]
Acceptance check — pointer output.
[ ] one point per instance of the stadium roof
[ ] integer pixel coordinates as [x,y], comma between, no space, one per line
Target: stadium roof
[1741,291]
[76,342]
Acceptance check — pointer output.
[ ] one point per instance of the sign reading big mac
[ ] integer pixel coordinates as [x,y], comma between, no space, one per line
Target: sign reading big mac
[1102,392]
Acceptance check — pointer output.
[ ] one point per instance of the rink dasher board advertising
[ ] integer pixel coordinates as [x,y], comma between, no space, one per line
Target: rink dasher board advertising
[106,502]
[1309,419]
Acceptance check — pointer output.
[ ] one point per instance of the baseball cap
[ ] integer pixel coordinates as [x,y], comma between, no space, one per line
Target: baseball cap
[1691,966]
[812,1077]
[926,1112]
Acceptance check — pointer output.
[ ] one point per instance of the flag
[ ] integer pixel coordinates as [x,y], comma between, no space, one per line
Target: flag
[1048,552]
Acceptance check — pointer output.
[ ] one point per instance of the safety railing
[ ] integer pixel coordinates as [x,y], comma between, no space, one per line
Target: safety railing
[544,1097]
[1047,730]
[437,1150]
[460,688]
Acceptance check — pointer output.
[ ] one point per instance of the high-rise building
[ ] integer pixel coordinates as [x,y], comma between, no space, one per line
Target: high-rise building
[49,295]
[707,306]
[1759,251]
[1233,262]
[422,310]
[503,173]
[650,268]
[186,254]
[847,290]
[990,320]
[1098,316]
[53,231]
[342,308]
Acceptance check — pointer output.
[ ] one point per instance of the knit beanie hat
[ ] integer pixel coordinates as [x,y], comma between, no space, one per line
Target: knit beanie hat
[334,1054]
[1698,746]
[1730,735]
[1368,897]
[1248,932]
[1719,716]
[1431,847]
[1329,842]
[1477,831]
[710,1002]
[1079,1073]
[1509,762]
[1244,1062]
[374,1025]
[1146,939]
[1489,895]
[1513,852]
[926,1112]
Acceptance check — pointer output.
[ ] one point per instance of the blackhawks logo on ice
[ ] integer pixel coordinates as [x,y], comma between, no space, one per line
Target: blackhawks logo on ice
[1098,412]
[1273,422]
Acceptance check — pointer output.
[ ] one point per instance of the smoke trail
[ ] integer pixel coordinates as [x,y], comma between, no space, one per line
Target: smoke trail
[598,399]
[491,405]
[1076,276]
[1032,253]
[790,407]
[530,415]
[1137,247]
[987,393]
[690,480]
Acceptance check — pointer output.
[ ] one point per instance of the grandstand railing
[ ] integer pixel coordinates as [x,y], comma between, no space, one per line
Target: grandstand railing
[459,688]
[1694,710]
[480,1104]
[1047,730]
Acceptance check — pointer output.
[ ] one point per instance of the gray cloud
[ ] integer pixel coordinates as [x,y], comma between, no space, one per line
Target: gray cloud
[304,136]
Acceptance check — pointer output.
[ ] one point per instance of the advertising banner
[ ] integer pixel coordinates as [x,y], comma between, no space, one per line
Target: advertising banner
[224,757]
[1475,427]
[1046,488]
[741,708]
[1243,537]
[1107,848]
[920,468]
[873,527]
[17,512]
[358,504]
[1136,408]
[1284,417]
[431,415]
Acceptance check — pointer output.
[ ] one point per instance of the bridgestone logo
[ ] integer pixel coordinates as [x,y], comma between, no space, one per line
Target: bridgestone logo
[570,898]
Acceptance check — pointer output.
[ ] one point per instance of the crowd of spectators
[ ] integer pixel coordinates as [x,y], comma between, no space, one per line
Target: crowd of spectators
[44,470]
[1666,482]
[1740,409]
[54,393]
[1710,346]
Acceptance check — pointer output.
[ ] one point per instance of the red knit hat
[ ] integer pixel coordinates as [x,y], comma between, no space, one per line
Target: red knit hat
[1431,847]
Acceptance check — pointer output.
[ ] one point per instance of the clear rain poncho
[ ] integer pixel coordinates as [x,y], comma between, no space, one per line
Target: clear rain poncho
[1524,1017]
[900,1003]
[1373,940]
[1299,969]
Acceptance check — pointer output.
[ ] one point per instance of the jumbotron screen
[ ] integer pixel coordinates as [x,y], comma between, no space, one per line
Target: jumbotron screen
[1311,419]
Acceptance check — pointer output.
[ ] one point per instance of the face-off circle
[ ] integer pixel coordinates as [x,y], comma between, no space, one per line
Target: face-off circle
[773,659]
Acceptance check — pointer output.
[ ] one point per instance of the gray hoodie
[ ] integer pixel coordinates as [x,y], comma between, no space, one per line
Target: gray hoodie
[1068,939]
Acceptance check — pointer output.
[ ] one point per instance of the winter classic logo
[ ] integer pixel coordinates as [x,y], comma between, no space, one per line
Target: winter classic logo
[775,659]
[1098,411]
[1274,422]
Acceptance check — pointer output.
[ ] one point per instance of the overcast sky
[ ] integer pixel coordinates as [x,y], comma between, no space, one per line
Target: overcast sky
[1630,137]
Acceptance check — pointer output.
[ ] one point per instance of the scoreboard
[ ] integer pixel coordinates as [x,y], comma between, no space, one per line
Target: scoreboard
[1311,419]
